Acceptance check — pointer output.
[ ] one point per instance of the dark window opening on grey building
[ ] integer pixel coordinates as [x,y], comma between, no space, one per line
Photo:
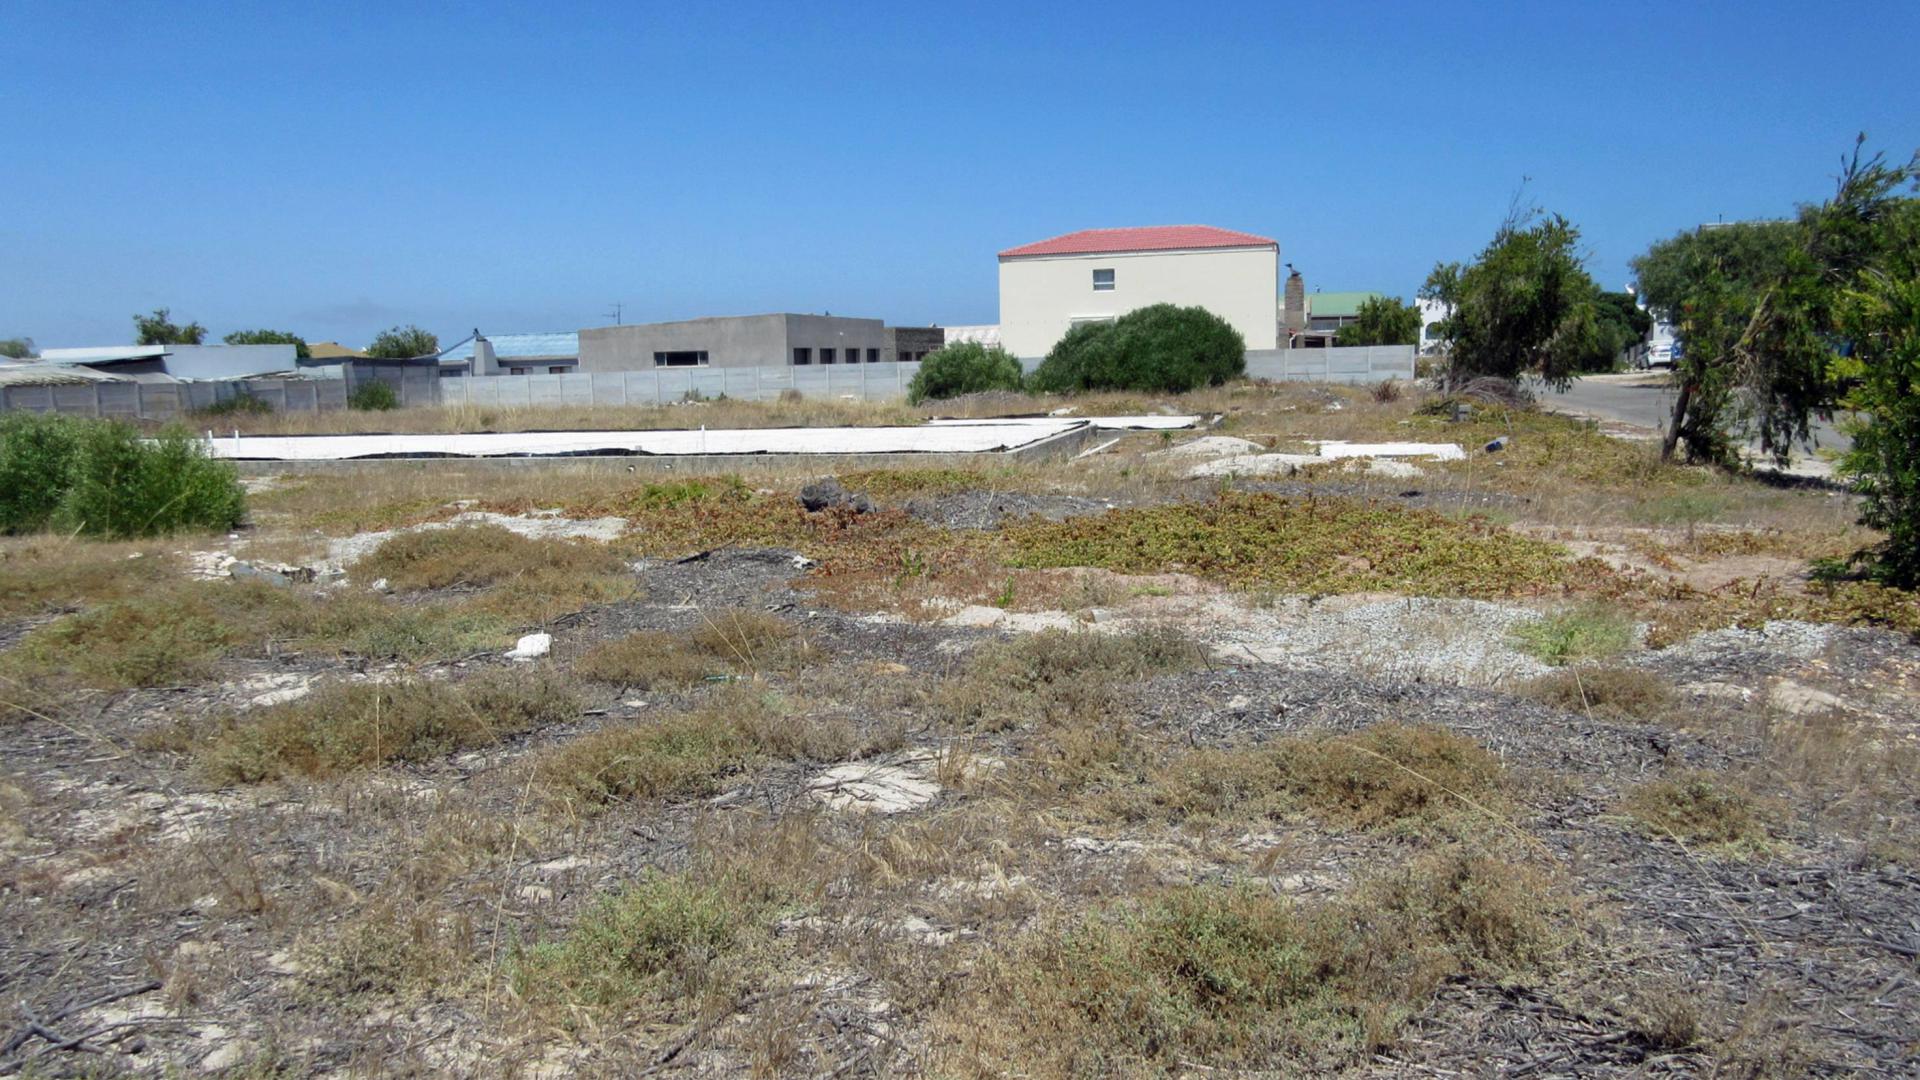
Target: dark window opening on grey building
[689,358]
[516,371]
[802,356]
[1102,281]
[873,356]
[557,369]
[826,356]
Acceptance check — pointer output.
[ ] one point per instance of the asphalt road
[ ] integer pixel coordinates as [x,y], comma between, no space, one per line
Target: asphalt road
[1645,399]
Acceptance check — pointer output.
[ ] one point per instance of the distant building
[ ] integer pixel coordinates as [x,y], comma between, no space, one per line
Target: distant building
[1333,310]
[513,354]
[752,341]
[1097,275]
[194,362]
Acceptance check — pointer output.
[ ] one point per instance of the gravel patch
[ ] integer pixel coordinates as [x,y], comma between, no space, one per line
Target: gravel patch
[990,509]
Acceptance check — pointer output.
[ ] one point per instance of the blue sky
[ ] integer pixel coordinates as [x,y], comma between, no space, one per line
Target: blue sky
[337,168]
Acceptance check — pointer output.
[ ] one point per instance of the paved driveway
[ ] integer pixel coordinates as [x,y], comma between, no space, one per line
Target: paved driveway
[1645,399]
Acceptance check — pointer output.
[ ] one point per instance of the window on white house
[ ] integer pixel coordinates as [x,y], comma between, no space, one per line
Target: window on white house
[1103,281]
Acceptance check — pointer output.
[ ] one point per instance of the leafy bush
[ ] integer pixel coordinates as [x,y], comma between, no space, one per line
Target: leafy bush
[102,479]
[966,367]
[373,396]
[1161,348]
[36,456]
[123,486]
[240,404]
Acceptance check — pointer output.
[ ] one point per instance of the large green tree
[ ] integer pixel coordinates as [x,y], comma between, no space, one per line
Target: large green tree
[1524,306]
[1878,316]
[158,328]
[403,342]
[270,337]
[1383,320]
[16,348]
[1755,306]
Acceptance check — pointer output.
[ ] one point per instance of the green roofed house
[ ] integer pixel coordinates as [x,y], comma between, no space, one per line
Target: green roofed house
[1333,310]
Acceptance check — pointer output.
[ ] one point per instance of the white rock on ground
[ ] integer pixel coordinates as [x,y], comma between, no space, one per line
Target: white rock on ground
[531,647]
[1798,699]
[1335,449]
[1255,465]
[1210,446]
[269,690]
[1398,470]
[879,787]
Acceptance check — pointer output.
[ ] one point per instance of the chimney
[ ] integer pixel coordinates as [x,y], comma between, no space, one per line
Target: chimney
[484,362]
[1295,307]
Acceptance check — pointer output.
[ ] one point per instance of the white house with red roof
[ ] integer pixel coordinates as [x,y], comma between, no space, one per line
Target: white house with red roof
[1097,275]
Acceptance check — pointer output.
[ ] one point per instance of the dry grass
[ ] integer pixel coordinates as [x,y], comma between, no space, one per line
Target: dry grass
[689,754]
[1389,776]
[1607,691]
[726,642]
[477,556]
[1210,977]
[359,725]
[40,574]
[1058,675]
[668,939]
[1700,808]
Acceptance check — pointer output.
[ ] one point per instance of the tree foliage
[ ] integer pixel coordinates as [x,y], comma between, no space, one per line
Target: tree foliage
[103,478]
[403,342]
[1161,348]
[270,337]
[1525,305]
[1755,306]
[1879,316]
[965,367]
[158,328]
[17,348]
[1383,320]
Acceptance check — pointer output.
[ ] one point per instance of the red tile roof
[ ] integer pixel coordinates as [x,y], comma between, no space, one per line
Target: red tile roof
[1146,238]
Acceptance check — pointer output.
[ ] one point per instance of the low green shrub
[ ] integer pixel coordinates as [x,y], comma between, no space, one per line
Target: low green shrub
[374,396]
[965,367]
[36,457]
[1162,348]
[1588,632]
[240,404]
[101,478]
[357,725]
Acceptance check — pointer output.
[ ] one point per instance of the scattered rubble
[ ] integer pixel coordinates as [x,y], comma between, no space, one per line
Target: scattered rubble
[829,494]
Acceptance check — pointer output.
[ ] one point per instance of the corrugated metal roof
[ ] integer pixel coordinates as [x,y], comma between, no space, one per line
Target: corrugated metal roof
[1337,305]
[521,346]
[1144,238]
[53,375]
[104,354]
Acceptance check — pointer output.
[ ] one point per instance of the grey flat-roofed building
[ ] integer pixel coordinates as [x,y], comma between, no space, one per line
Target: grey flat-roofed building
[750,341]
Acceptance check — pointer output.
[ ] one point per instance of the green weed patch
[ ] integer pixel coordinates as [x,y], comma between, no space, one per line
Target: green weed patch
[1307,545]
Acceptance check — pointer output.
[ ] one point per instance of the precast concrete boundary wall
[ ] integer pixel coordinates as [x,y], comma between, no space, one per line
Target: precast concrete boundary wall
[885,381]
